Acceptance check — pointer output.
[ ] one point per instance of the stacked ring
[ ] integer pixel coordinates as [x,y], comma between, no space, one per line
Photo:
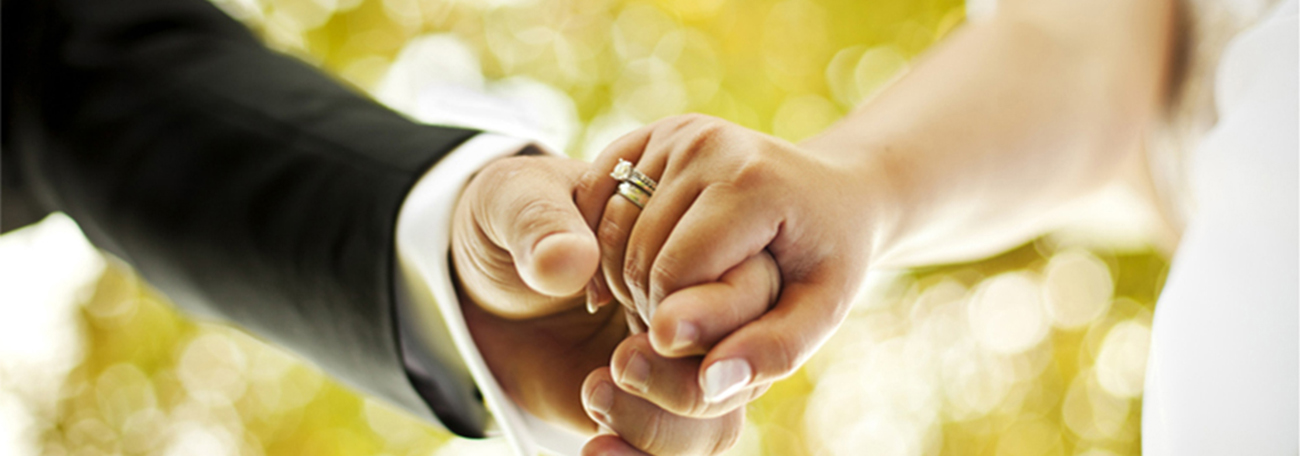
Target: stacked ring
[634,194]
[635,186]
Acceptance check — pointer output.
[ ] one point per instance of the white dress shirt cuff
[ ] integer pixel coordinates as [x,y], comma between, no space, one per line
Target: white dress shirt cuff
[426,290]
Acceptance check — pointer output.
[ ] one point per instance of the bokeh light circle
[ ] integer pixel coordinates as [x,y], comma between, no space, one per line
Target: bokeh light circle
[1006,314]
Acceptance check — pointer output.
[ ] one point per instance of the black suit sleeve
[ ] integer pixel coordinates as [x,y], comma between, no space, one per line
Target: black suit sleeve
[241,183]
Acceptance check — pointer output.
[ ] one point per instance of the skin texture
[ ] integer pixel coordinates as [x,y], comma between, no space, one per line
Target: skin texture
[723,190]
[544,348]
[1051,98]
[752,247]
[521,251]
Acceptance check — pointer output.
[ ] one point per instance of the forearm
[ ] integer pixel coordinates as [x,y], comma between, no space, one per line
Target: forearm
[1003,121]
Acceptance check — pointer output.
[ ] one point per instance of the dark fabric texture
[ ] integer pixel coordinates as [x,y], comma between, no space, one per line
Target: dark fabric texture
[242,183]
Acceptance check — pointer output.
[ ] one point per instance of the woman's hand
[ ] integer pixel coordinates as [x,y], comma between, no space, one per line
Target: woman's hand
[1048,99]
[518,293]
[726,197]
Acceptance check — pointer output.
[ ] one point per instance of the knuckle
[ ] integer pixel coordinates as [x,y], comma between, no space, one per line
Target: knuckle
[478,191]
[610,232]
[494,171]
[505,172]
[537,214]
[755,170]
[694,405]
[587,184]
[688,121]
[704,136]
[611,237]
[634,274]
[728,436]
[785,354]
[696,117]
[651,437]
[665,273]
[634,257]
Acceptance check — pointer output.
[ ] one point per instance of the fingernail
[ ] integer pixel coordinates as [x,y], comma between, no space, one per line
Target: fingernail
[601,401]
[636,373]
[725,378]
[592,307]
[687,334]
[598,294]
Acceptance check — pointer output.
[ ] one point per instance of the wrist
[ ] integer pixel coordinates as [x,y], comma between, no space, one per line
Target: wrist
[874,182]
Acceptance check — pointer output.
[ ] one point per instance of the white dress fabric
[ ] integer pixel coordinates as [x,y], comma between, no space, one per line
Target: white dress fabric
[1222,376]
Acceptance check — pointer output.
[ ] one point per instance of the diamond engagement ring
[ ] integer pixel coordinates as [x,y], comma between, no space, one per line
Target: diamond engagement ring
[634,185]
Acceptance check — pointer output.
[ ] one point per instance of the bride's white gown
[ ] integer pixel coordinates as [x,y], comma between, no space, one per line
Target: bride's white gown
[1222,377]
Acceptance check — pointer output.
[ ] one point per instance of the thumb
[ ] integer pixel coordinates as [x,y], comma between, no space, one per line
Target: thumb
[537,222]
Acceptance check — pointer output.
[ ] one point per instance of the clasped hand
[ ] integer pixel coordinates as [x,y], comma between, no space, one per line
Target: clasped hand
[741,264]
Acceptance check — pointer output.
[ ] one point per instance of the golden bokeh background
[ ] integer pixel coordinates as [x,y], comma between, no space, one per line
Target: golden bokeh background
[1040,351]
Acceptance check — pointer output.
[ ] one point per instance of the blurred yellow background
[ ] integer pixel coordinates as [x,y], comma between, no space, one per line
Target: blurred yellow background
[1039,351]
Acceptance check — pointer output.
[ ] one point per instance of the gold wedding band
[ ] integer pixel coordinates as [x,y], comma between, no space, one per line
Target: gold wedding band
[634,194]
[634,185]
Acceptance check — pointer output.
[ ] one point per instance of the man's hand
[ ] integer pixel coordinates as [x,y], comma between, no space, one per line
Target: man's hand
[522,253]
[520,247]
[653,401]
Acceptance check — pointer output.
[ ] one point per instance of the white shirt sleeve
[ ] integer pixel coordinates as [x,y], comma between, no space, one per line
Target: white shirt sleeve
[425,289]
